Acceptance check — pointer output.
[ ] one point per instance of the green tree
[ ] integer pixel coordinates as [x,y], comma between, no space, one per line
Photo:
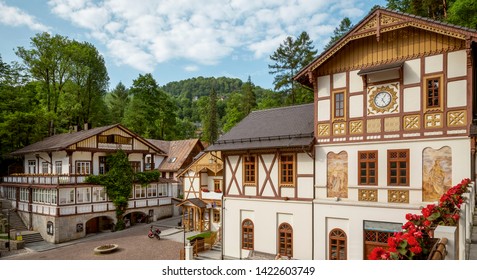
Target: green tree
[118,101]
[118,183]
[249,97]
[151,112]
[288,59]
[463,13]
[211,128]
[49,62]
[344,27]
[434,9]
[233,112]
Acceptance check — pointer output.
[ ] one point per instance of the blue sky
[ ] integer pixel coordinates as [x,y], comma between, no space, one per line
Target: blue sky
[178,39]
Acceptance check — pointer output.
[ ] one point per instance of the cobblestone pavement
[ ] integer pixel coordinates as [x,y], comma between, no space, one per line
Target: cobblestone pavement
[133,245]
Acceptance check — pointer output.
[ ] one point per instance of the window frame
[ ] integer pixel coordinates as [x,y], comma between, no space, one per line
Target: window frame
[293,162]
[248,229]
[79,164]
[217,185]
[341,239]
[368,169]
[334,103]
[216,216]
[398,167]
[45,168]
[31,164]
[249,165]
[440,93]
[287,244]
[58,167]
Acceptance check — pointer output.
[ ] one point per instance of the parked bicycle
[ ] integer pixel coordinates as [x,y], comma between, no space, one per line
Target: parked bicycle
[154,233]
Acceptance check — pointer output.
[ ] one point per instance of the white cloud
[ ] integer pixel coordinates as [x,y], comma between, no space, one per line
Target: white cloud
[191,68]
[147,32]
[14,16]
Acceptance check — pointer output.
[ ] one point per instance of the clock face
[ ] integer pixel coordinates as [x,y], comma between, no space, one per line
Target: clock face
[382,99]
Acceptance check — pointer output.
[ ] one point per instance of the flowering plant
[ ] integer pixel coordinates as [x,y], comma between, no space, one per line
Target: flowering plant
[414,241]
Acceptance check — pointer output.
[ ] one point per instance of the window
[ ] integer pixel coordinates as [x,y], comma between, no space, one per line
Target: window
[99,194]
[285,240]
[433,96]
[162,190]
[171,175]
[172,160]
[140,192]
[247,234]
[83,167]
[136,166]
[368,168]
[67,196]
[58,167]
[152,191]
[83,195]
[287,170]
[216,216]
[339,104]
[337,245]
[114,139]
[44,167]
[103,165]
[31,166]
[250,170]
[398,167]
[217,186]
[24,194]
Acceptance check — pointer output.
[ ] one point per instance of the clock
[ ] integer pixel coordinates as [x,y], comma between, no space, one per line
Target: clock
[382,99]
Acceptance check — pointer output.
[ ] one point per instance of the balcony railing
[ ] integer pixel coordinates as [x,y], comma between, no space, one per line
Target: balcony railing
[45,179]
[53,210]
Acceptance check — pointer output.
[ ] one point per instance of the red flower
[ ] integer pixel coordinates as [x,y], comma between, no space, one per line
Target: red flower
[411,240]
[378,253]
[416,249]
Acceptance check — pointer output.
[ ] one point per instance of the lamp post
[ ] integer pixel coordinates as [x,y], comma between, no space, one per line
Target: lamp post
[8,232]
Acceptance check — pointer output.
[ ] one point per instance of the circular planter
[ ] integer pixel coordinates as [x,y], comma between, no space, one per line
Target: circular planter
[105,249]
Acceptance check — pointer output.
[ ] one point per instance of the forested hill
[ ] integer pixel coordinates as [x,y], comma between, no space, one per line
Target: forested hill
[195,88]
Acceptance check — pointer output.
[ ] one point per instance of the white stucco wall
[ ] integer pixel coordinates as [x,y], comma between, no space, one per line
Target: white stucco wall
[266,216]
[455,61]
[350,218]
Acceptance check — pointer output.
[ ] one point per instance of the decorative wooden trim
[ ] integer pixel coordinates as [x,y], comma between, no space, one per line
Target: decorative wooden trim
[398,196]
[267,175]
[412,122]
[233,177]
[368,195]
[356,127]
[323,130]
[433,120]
[457,118]
[339,128]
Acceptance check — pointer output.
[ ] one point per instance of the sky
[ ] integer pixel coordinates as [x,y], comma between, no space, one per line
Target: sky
[178,39]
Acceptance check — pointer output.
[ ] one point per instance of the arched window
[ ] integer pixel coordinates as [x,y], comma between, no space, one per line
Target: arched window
[337,244]
[247,234]
[285,240]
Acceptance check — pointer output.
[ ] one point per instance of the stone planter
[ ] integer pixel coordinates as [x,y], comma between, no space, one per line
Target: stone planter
[106,249]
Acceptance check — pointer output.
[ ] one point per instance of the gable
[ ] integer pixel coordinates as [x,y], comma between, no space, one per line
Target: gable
[386,36]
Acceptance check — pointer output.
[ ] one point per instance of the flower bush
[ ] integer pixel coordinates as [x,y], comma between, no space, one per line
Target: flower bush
[415,242]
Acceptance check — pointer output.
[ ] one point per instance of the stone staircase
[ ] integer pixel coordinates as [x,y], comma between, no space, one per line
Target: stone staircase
[17,225]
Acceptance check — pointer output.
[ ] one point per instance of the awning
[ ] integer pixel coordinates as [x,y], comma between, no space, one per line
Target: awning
[381,68]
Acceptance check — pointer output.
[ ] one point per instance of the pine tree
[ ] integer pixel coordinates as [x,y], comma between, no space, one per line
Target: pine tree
[289,58]
[344,27]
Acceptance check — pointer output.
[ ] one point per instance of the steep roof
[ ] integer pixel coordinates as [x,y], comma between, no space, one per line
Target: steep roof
[272,128]
[62,141]
[177,152]
[379,21]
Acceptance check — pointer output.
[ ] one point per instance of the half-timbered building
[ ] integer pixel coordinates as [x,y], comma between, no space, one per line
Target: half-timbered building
[51,195]
[395,103]
[203,186]
[268,186]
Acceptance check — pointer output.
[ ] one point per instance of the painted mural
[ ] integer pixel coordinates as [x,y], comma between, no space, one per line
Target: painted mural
[436,173]
[337,185]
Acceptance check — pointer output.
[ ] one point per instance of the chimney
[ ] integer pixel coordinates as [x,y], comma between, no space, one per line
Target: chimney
[86,126]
